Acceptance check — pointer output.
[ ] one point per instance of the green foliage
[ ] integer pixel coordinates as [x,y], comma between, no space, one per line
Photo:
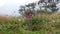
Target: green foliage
[44,24]
[44,11]
[35,24]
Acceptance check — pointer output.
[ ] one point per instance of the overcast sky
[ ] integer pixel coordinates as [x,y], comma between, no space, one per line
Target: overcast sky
[9,6]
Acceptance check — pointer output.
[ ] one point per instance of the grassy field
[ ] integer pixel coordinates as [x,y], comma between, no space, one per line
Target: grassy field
[50,24]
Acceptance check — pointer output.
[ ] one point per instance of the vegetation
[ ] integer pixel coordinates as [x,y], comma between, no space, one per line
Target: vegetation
[45,5]
[32,21]
[46,24]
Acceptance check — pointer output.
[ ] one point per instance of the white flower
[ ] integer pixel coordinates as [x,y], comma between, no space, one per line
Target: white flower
[19,19]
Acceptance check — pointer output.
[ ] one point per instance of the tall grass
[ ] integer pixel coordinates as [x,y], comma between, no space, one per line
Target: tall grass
[45,24]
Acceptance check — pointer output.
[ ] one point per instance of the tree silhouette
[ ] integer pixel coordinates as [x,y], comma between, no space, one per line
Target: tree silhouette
[47,4]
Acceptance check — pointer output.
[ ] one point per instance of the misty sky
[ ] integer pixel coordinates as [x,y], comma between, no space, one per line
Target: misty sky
[9,6]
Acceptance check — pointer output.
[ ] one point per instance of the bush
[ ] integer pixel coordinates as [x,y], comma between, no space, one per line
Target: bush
[36,23]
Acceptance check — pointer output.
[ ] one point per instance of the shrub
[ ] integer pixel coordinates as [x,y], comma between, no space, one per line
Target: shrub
[36,23]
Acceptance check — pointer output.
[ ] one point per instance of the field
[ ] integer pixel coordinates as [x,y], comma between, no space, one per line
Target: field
[48,24]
